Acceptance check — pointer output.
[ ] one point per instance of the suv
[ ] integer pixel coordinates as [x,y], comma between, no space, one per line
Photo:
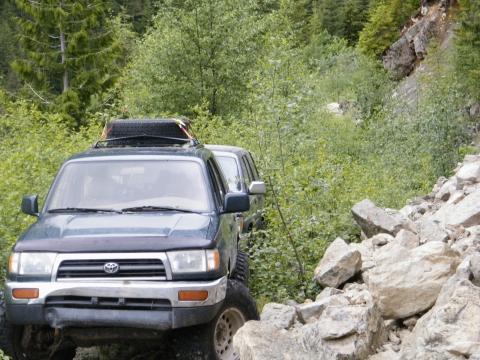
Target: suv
[242,175]
[138,232]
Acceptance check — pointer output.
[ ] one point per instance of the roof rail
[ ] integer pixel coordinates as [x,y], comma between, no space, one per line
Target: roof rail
[147,133]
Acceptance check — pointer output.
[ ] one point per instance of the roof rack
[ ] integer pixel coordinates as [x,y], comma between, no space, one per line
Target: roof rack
[147,133]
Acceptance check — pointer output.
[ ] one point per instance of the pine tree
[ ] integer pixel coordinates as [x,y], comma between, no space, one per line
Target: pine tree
[69,52]
[468,46]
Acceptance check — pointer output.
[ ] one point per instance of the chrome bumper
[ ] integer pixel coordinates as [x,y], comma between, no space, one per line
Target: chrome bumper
[122,289]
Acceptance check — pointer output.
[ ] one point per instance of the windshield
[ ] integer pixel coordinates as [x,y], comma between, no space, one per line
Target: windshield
[230,172]
[121,184]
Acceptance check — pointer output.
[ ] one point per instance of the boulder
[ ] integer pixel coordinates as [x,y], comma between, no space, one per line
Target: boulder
[339,264]
[431,230]
[470,171]
[408,282]
[400,59]
[381,239]
[366,249]
[335,108]
[259,340]
[279,315]
[465,213]
[449,187]
[451,329]
[327,292]
[313,310]
[374,220]
[407,239]
[352,332]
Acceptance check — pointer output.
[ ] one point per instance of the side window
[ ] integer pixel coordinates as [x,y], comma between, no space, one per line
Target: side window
[216,190]
[253,166]
[221,183]
[247,171]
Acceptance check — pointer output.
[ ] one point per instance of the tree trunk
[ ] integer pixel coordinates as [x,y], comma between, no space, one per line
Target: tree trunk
[64,59]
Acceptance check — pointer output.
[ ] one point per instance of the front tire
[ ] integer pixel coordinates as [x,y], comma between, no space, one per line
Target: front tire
[214,341]
[241,272]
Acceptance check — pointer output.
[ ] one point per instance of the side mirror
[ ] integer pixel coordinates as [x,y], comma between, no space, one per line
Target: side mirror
[30,205]
[257,188]
[236,202]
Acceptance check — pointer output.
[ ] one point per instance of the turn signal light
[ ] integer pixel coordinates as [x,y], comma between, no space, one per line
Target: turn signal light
[192,295]
[25,293]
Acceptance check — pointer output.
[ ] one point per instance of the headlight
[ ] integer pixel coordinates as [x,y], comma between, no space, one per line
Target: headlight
[31,263]
[193,261]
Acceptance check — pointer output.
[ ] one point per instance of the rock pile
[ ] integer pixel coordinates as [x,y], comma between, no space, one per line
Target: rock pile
[409,290]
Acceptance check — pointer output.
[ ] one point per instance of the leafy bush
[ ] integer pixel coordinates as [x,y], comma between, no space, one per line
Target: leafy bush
[32,147]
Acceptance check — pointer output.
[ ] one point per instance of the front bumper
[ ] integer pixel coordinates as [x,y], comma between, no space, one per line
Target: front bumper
[175,314]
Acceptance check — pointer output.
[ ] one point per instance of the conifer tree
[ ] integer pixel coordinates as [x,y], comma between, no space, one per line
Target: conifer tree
[468,46]
[69,52]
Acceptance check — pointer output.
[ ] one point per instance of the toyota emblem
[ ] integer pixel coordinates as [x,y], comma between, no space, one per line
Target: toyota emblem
[111,268]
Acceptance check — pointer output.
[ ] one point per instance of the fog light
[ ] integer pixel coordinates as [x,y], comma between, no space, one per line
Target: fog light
[192,295]
[25,293]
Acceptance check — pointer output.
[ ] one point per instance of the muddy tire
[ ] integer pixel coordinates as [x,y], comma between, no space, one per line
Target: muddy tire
[11,342]
[214,341]
[6,329]
[241,272]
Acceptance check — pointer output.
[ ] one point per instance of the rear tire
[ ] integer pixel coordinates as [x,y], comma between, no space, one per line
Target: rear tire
[214,341]
[241,272]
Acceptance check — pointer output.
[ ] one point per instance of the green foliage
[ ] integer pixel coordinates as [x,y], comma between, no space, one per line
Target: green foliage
[344,18]
[384,24]
[69,52]
[262,84]
[33,144]
[468,46]
[8,46]
[196,52]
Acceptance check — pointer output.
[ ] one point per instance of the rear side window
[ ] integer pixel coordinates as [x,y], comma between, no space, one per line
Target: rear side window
[218,186]
[231,172]
[253,166]
[248,169]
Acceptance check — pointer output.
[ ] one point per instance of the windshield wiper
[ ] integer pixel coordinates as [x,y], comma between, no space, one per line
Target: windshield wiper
[147,208]
[81,210]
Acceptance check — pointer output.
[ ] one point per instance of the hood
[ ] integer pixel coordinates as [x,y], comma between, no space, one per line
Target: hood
[118,232]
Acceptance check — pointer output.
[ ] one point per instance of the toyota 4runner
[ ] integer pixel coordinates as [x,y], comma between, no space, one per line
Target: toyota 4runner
[137,237]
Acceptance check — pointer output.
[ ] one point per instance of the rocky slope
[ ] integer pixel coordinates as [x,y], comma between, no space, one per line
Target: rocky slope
[409,290]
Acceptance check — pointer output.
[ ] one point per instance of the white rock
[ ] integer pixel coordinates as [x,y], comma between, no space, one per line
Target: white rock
[258,340]
[451,329]
[409,281]
[344,332]
[279,315]
[366,249]
[311,311]
[374,220]
[447,188]
[381,239]
[470,171]
[327,292]
[431,229]
[407,239]
[465,213]
[385,355]
[334,108]
[339,264]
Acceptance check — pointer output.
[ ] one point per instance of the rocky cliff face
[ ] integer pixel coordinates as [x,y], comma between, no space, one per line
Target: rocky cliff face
[408,51]
[409,290]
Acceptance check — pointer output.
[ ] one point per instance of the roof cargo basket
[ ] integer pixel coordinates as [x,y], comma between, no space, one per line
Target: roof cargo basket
[147,133]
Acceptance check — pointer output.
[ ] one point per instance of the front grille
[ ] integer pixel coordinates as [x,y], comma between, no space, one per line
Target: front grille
[87,302]
[127,268]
